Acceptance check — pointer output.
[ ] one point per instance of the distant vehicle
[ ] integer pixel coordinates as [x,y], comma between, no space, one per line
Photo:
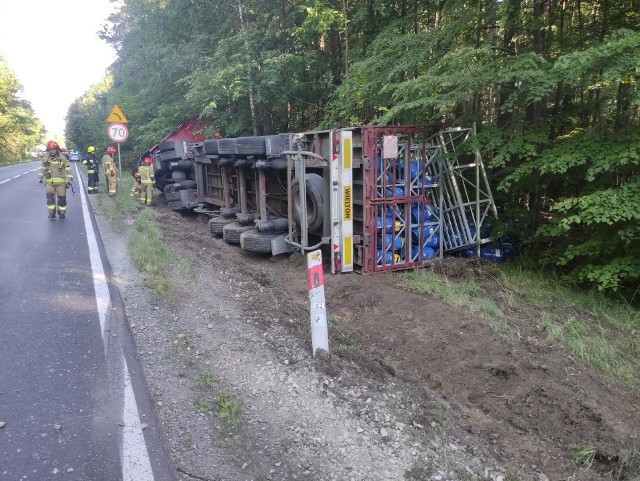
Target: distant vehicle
[74,156]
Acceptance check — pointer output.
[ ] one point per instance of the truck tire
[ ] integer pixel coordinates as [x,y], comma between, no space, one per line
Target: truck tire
[216,225]
[185,184]
[273,145]
[169,155]
[315,200]
[256,241]
[165,146]
[211,147]
[186,165]
[231,232]
[227,146]
[250,146]
[170,193]
[178,175]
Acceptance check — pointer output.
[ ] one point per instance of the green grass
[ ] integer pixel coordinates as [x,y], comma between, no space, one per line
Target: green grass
[583,455]
[207,380]
[466,295]
[120,207]
[228,407]
[158,264]
[202,406]
[593,328]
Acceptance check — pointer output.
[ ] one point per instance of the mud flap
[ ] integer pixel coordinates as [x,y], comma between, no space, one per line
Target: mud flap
[280,246]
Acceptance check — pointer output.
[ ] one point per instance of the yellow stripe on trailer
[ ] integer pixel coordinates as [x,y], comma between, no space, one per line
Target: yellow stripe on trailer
[348,250]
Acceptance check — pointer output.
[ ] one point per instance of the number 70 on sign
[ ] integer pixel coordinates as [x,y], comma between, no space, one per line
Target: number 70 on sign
[118,132]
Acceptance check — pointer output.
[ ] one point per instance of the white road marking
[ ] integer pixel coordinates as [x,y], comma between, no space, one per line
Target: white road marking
[136,465]
[18,176]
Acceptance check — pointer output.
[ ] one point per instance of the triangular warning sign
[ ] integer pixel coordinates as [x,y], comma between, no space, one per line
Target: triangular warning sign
[116,115]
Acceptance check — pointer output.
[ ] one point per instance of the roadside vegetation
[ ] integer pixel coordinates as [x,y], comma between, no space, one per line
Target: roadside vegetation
[592,327]
[20,129]
[157,262]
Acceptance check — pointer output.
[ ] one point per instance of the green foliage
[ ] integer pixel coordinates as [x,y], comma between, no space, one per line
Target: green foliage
[20,130]
[553,88]
[228,407]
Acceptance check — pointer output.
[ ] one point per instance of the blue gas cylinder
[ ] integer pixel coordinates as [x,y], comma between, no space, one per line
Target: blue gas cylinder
[427,252]
[427,230]
[398,243]
[389,258]
[492,254]
[428,212]
[395,192]
[433,241]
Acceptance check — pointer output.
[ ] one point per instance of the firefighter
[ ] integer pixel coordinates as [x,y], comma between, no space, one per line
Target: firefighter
[93,170]
[55,172]
[135,189]
[147,178]
[110,171]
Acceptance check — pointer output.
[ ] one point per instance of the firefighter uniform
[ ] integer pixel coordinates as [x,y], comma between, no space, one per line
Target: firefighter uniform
[93,171]
[110,172]
[135,189]
[56,173]
[147,178]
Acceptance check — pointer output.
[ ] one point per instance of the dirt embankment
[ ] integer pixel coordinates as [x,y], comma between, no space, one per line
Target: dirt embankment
[415,389]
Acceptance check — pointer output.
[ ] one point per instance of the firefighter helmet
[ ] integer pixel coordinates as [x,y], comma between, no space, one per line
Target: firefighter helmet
[111,150]
[148,160]
[52,144]
[91,149]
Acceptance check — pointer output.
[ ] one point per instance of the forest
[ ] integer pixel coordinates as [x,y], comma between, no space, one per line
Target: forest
[552,86]
[20,129]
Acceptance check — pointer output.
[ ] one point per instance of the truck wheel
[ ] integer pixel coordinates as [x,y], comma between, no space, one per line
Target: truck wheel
[178,175]
[315,200]
[211,147]
[250,146]
[169,155]
[231,232]
[165,146]
[227,146]
[186,165]
[216,225]
[256,241]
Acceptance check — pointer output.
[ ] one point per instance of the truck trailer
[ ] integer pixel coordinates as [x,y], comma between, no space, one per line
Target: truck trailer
[378,198]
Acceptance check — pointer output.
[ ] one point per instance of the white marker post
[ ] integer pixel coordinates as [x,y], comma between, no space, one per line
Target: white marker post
[319,329]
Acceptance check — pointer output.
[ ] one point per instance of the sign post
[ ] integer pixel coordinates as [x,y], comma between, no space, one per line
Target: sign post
[117,131]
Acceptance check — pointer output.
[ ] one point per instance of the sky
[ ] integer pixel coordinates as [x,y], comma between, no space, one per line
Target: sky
[53,48]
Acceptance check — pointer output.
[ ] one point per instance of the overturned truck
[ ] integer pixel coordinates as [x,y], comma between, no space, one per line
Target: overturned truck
[380,198]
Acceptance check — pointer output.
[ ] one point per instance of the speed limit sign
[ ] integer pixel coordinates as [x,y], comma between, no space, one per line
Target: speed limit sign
[118,132]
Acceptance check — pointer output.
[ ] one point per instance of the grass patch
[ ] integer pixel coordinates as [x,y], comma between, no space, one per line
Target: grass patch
[467,295]
[343,332]
[120,207]
[158,264]
[228,407]
[202,406]
[594,329]
[207,380]
[583,455]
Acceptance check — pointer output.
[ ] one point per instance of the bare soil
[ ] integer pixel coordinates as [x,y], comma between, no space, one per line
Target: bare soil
[524,399]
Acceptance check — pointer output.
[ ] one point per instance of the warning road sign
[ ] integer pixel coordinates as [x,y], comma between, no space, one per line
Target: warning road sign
[116,115]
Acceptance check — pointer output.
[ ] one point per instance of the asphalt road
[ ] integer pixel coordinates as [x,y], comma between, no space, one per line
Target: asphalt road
[66,392]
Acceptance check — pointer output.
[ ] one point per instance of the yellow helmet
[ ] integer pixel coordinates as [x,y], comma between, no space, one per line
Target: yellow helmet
[91,149]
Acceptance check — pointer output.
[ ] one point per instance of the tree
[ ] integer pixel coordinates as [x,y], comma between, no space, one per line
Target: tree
[19,127]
